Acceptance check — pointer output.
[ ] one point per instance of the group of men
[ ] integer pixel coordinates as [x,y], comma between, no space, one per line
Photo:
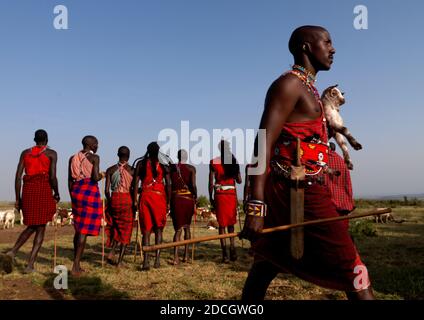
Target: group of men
[293,112]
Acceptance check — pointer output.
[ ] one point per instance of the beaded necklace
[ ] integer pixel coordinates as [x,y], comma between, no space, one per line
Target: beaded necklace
[307,78]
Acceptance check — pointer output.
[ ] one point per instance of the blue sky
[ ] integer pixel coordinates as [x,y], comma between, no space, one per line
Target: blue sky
[124,70]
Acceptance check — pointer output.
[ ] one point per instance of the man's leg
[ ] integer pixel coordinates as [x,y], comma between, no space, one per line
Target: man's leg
[177,237]
[158,240]
[38,241]
[23,237]
[111,255]
[366,294]
[121,253]
[223,246]
[260,276]
[233,254]
[187,235]
[146,242]
[79,245]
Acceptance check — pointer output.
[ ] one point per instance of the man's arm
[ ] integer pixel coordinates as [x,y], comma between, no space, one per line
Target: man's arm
[280,102]
[193,181]
[246,184]
[52,174]
[107,184]
[95,174]
[168,186]
[18,181]
[211,174]
[136,181]
[70,178]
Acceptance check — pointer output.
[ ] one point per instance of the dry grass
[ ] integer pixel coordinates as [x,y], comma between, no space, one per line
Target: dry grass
[395,259]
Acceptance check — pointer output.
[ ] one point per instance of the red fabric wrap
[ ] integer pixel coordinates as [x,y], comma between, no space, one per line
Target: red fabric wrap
[152,210]
[226,207]
[340,186]
[36,162]
[182,209]
[119,218]
[330,257]
[285,148]
[152,207]
[38,204]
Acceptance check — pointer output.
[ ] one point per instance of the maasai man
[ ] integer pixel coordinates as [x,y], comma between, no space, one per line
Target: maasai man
[183,199]
[39,193]
[120,214]
[87,209]
[223,194]
[293,110]
[154,198]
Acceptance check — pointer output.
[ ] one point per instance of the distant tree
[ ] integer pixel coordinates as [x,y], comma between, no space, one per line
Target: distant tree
[203,202]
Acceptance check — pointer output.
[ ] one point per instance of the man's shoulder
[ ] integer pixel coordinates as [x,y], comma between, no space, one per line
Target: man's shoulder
[190,167]
[286,81]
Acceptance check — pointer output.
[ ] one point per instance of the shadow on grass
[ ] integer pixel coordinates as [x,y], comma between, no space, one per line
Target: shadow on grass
[84,288]
[395,260]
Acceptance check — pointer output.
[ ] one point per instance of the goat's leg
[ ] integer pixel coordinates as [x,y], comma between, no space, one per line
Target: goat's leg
[342,144]
[352,141]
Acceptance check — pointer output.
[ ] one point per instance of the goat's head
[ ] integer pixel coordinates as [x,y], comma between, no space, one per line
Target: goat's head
[334,94]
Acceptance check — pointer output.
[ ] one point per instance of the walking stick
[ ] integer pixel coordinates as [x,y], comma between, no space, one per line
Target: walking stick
[55,235]
[103,224]
[136,237]
[269,230]
[194,225]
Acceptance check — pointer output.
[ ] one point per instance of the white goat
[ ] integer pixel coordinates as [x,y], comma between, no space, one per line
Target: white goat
[9,219]
[332,99]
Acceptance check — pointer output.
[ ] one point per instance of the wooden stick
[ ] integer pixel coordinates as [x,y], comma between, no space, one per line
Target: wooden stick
[194,225]
[269,230]
[136,238]
[103,225]
[55,247]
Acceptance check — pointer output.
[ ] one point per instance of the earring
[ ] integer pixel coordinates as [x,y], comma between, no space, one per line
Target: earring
[304,47]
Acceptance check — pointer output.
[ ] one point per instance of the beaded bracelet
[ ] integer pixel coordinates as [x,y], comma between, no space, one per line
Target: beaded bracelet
[256,208]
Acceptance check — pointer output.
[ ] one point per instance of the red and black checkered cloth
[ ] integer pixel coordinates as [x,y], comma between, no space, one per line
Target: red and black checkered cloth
[38,204]
[340,186]
[119,218]
[87,207]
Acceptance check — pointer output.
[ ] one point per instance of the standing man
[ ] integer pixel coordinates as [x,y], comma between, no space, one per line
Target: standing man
[154,198]
[293,110]
[183,199]
[87,209]
[120,214]
[39,193]
[224,173]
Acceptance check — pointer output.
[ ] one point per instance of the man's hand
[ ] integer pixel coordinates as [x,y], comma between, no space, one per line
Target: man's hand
[252,227]
[56,197]
[18,205]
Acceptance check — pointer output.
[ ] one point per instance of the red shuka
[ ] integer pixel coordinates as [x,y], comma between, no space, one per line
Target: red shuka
[225,200]
[182,202]
[152,200]
[38,204]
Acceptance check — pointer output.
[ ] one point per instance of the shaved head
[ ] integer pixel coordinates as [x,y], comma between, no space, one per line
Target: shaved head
[124,152]
[88,140]
[303,34]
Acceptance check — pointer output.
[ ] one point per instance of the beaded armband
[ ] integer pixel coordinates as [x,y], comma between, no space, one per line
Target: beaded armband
[256,208]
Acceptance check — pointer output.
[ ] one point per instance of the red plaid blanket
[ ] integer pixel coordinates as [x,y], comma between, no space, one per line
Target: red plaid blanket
[86,207]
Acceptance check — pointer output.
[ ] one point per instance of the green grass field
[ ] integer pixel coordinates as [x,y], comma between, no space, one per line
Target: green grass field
[394,257]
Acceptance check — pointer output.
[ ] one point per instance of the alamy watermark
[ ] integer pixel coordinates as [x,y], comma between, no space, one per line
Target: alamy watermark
[60,282]
[60,22]
[361,19]
[201,147]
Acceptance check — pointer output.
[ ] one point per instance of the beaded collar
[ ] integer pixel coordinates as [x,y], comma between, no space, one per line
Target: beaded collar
[307,78]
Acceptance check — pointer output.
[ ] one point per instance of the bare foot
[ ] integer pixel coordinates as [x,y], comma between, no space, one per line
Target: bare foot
[29,270]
